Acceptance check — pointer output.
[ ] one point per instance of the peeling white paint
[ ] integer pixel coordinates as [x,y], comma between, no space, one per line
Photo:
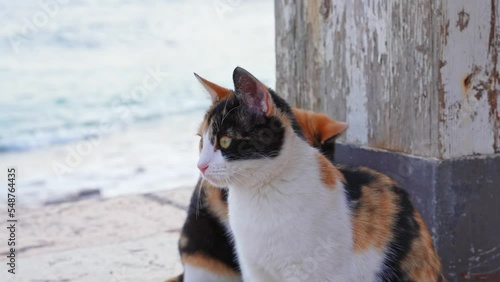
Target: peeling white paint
[356,101]
[395,70]
[467,128]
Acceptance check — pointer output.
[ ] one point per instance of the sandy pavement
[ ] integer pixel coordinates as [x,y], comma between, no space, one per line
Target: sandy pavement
[126,238]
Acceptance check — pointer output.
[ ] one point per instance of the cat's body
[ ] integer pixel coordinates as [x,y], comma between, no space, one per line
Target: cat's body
[296,217]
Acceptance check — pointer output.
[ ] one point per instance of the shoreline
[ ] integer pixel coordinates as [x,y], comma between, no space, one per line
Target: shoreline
[141,159]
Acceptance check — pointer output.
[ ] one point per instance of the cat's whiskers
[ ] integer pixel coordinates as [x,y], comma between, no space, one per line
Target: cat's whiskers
[225,105]
[224,117]
[239,180]
[216,126]
[226,180]
[244,175]
[261,176]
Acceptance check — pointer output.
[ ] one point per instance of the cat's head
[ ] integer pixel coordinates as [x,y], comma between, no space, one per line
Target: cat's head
[246,132]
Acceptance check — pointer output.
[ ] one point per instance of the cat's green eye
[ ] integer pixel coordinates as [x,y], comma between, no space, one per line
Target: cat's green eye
[225,141]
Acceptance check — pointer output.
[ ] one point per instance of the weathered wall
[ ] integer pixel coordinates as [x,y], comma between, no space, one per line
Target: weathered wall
[418,77]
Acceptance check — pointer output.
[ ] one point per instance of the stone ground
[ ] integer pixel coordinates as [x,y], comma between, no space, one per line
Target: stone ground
[128,238]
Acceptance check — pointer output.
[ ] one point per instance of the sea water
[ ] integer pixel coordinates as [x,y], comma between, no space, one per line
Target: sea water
[100,95]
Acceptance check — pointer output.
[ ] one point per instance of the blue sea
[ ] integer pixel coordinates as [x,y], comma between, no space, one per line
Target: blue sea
[117,75]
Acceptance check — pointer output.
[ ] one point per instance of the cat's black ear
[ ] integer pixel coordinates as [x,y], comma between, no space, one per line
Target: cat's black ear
[216,92]
[252,93]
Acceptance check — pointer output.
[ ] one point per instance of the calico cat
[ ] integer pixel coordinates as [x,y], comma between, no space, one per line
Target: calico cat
[205,244]
[294,216]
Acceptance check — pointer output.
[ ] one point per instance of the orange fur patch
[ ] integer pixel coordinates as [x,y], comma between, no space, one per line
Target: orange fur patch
[422,262]
[329,173]
[284,119]
[217,92]
[211,265]
[203,127]
[373,221]
[214,201]
[317,127]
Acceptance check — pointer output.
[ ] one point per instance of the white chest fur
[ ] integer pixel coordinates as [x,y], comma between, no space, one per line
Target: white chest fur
[293,228]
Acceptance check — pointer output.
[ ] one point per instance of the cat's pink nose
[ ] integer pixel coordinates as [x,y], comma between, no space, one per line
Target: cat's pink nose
[203,167]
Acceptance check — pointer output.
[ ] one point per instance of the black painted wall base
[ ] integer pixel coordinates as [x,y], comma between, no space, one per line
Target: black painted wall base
[459,200]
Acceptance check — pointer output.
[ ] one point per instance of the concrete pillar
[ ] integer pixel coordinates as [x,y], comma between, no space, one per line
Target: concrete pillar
[418,84]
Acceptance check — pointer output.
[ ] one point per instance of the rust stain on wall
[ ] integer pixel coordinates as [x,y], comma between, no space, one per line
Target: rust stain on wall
[467,82]
[444,32]
[492,27]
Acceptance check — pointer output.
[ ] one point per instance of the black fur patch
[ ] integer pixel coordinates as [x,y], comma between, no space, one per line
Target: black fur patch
[356,179]
[327,148]
[405,230]
[285,108]
[224,194]
[205,233]
[254,135]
